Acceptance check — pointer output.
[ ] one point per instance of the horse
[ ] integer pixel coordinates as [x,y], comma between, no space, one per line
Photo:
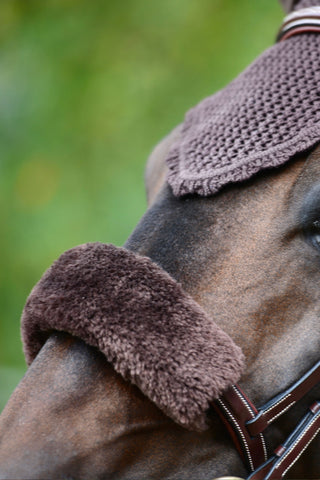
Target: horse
[249,256]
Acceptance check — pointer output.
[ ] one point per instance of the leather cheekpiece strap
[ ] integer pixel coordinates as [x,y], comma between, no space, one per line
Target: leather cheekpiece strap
[235,410]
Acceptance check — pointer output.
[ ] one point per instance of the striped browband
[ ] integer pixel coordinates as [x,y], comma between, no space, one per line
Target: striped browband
[306,20]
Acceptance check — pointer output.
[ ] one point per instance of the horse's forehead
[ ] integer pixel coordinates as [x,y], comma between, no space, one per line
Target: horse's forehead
[309,176]
[191,236]
[270,187]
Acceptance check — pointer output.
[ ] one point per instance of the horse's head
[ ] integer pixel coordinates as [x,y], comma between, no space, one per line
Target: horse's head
[249,255]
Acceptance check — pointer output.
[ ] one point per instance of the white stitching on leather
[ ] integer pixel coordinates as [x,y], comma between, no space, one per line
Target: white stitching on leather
[265,453]
[296,458]
[243,399]
[280,413]
[278,403]
[240,431]
[298,440]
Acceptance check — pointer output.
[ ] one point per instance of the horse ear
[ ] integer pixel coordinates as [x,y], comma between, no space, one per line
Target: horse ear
[288,5]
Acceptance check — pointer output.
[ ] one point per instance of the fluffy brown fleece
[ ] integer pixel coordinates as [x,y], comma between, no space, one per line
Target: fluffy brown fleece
[155,335]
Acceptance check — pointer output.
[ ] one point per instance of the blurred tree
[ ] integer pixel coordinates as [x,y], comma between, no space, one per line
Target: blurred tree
[87,89]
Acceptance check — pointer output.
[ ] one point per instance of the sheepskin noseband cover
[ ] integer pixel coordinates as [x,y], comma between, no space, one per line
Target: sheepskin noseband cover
[154,334]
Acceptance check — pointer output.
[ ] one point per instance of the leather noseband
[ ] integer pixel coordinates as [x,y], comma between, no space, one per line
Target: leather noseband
[246,425]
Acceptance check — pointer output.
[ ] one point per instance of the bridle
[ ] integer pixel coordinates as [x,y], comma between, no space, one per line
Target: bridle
[247,425]
[306,20]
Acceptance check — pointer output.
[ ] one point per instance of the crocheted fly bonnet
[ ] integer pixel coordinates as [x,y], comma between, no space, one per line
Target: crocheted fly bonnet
[269,113]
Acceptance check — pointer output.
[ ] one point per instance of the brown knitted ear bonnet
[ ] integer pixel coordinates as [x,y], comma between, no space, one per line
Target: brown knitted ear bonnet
[268,114]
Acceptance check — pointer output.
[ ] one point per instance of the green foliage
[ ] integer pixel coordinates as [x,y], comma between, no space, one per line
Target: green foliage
[87,89]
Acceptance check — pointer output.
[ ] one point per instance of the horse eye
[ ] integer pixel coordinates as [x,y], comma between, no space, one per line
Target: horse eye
[314,233]
[316,224]
[309,216]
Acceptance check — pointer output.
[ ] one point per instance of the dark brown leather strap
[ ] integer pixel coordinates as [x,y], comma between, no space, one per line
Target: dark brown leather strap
[281,403]
[235,409]
[286,455]
[245,424]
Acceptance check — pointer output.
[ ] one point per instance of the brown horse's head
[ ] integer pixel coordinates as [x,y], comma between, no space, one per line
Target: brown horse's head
[250,256]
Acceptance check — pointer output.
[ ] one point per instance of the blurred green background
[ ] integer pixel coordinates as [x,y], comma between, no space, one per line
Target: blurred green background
[87,88]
